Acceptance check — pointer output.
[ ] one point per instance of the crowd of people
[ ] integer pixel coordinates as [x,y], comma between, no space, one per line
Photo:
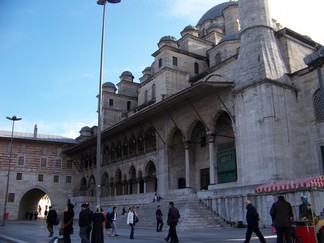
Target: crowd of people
[96,225]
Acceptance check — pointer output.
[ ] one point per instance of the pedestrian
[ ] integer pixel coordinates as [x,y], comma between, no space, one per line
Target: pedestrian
[108,222]
[131,221]
[46,211]
[114,222]
[67,225]
[35,215]
[305,212]
[173,219]
[85,220]
[252,219]
[282,215]
[155,197]
[97,235]
[159,219]
[51,220]
[124,211]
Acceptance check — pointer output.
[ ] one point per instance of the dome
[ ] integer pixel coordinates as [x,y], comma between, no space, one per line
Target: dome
[168,38]
[231,36]
[109,85]
[85,129]
[216,11]
[190,28]
[126,73]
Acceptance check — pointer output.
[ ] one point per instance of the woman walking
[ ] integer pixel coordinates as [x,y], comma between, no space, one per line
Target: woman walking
[131,220]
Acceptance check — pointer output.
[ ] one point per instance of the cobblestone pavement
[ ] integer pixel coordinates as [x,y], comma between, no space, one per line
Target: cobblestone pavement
[36,232]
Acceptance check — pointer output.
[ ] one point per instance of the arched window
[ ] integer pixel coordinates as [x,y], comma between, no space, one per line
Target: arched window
[146,96]
[218,58]
[153,91]
[318,106]
[196,68]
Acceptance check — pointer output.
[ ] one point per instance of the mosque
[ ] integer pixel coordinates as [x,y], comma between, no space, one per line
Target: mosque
[228,106]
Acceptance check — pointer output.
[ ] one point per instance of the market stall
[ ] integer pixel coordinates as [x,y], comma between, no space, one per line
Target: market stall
[306,229]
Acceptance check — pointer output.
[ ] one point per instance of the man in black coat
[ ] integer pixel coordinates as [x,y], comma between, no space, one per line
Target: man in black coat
[252,219]
[159,219]
[85,220]
[51,220]
[282,215]
[173,219]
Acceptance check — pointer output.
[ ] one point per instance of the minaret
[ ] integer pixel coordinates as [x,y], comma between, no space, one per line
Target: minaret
[265,102]
[259,58]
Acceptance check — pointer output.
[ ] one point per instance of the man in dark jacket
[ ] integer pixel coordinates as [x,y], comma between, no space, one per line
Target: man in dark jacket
[159,219]
[51,220]
[173,219]
[85,217]
[252,219]
[282,214]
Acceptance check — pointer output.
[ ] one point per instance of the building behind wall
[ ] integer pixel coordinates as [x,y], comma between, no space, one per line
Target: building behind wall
[38,168]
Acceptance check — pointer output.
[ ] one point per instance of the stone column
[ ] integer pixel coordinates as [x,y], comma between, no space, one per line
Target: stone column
[211,144]
[145,181]
[187,162]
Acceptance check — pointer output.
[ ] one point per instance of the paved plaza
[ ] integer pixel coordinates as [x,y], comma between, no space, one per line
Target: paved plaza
[36,232]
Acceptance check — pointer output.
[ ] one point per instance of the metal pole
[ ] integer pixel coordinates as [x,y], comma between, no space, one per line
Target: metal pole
[13,119]
[99,129]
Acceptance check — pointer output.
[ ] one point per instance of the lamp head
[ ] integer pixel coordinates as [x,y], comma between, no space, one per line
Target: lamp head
[102,2]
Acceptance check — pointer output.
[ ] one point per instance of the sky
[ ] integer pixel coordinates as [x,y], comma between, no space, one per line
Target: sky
[50,52]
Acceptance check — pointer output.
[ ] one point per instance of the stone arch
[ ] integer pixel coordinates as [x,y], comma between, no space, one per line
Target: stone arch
[118,182]
[83,186]
[92,186]
[150,175]
[225,148]
[199,156]
[29,202]
[105,184]
[132,180]
[176,157]
[141,182]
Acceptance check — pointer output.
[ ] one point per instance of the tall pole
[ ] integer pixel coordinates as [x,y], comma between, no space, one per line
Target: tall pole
[13,119]
[99,129]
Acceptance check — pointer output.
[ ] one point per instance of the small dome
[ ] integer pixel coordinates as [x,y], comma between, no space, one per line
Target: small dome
[216,11]
[85,129]
[231,36]
[109,85]
[189,28]
[126,73]
[147,70]
[168,38]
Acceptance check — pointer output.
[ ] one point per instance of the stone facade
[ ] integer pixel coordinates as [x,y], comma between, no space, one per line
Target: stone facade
[227,107]
[232,94]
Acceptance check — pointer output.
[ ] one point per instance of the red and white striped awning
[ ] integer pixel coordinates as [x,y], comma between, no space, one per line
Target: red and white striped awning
[291,185]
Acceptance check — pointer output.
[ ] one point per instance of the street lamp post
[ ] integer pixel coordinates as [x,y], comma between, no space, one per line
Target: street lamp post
[99,129]
[13,119]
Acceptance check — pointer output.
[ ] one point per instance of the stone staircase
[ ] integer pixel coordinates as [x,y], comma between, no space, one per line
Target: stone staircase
[194,214]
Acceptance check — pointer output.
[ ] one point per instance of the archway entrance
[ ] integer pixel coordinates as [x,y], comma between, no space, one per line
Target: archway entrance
[34,200]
